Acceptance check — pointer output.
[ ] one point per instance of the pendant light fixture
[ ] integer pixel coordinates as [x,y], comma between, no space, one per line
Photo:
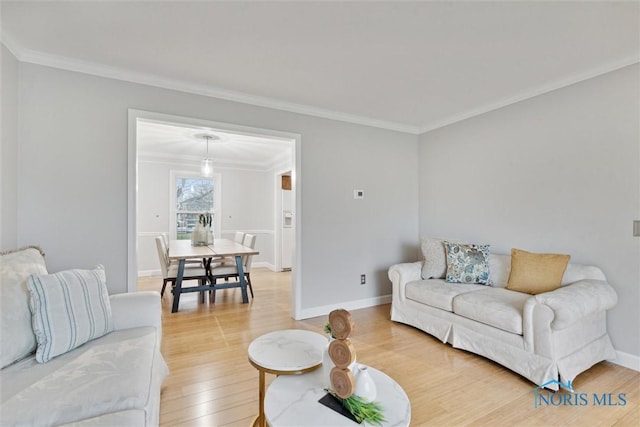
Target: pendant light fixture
[206,164]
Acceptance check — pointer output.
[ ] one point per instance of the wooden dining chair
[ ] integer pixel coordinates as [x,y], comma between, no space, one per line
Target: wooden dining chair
[170,270]
[226,271]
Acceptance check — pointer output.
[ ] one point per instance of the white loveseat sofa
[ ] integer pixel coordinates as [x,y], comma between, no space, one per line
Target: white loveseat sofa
[547,338]
[113,380]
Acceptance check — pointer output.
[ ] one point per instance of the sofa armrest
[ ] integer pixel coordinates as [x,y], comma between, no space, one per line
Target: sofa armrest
[573,302]
[401,274]
[136,309]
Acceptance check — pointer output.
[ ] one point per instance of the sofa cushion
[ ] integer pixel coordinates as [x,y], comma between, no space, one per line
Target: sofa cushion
[496,307]
[536,273]
[107,375]
[499,269]
[577,272]
[69,308]
[437,292]
[17,339]
[467,263]
[435,258]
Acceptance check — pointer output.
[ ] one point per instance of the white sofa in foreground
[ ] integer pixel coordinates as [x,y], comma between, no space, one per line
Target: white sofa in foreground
[111,380]
[547,338]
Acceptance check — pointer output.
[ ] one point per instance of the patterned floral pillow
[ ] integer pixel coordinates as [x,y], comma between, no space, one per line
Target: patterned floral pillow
[467,263]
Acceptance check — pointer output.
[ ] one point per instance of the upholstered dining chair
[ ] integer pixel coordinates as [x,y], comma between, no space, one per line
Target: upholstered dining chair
[226,271]
[229,260]
[193,262]
[250,241]
[170,270]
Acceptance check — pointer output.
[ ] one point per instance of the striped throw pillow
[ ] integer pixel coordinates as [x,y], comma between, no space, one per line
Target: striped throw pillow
[68,309]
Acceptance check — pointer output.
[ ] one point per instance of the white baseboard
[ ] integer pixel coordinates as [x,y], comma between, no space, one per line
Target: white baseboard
[627,360]
[147,273]
[263,264]
[349,305]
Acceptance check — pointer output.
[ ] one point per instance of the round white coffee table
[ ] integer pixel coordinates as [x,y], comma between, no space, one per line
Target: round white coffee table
[294,401]
[286,352]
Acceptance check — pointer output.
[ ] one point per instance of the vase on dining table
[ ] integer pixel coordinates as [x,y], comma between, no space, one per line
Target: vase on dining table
[202,234]
[199,235]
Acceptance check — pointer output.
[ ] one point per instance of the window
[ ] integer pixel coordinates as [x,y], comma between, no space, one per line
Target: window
[191,195]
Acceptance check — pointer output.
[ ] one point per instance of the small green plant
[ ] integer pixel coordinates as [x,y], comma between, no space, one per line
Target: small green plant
[205,219]
[370,412]
[327,329]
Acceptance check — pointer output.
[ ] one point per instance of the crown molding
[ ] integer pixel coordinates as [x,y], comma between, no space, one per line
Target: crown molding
[533,92]
[281,159]
[194,162]
[86,67]
[11,45]
[80,66]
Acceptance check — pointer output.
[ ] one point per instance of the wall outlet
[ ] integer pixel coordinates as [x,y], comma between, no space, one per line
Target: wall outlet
[363,279]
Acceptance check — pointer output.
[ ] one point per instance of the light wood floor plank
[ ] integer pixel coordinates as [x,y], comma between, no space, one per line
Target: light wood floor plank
[212,383]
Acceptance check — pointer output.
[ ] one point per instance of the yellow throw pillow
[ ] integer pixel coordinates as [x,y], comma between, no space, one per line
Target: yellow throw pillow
[536,273]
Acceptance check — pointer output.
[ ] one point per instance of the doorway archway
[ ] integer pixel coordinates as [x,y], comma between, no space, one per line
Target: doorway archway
[138,116]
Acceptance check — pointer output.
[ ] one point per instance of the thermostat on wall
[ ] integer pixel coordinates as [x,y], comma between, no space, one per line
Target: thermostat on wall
[358,194]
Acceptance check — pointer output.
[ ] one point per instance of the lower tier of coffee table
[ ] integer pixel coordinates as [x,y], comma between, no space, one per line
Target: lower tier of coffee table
[293,400]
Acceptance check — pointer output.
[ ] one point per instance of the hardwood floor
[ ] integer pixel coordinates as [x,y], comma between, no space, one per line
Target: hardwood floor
[212,384]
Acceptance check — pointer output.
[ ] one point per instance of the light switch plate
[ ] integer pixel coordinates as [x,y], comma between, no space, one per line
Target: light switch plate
[636,228]
[358,194]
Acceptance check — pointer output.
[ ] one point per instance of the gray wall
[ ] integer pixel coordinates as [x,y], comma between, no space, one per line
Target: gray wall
[9,150]
[73,181]
[557,173]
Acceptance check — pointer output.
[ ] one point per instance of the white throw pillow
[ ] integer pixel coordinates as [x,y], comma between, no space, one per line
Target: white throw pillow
[69,308]
[435,258]
[17,339]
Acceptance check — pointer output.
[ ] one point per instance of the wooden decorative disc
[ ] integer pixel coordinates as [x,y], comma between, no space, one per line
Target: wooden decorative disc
[341,323]
[342,353]
[343,382]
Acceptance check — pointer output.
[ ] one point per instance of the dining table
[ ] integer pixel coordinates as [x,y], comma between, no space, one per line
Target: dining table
[182,250]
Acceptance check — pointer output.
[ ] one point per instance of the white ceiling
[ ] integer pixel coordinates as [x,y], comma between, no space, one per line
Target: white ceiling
[167,142]
[410,66]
